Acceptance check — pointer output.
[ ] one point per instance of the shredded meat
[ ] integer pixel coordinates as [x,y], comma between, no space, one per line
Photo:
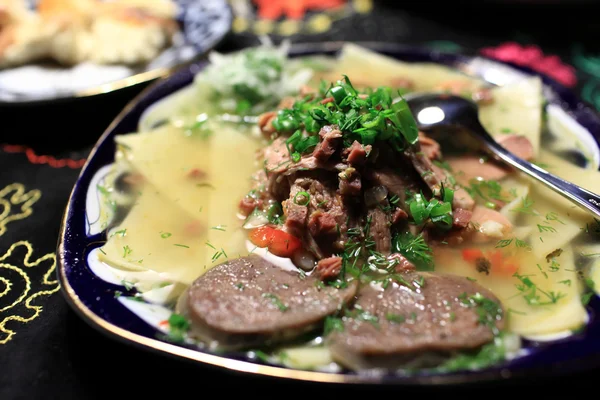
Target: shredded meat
[429,147]
[394,183]
[248,204]
[321,223]
[265,123]
[351,186]
[398,216]
[330,141]
[380,229]
[329,268]
[461,218]
[295,213]
[356,154]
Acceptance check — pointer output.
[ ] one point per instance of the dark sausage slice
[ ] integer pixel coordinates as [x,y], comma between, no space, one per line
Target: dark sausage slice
[418,325]
[248,301]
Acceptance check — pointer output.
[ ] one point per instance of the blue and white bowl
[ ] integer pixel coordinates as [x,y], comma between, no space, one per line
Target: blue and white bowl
[91,292]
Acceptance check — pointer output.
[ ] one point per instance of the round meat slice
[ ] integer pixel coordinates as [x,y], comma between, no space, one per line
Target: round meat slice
[248,302]
[417,322]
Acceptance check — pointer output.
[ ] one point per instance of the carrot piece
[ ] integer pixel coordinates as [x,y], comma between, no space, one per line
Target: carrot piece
[471,255]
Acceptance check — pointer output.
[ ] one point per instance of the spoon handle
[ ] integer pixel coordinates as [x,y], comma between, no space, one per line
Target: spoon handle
[584,198]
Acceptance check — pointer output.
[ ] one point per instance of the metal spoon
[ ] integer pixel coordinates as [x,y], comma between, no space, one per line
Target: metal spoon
[443,110]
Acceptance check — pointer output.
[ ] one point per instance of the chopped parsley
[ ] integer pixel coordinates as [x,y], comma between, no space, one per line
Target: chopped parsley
[276,301]
[128,285]
[178,327]
[333,324]
[489,354]
[488,311]
[395,318]
[261,355]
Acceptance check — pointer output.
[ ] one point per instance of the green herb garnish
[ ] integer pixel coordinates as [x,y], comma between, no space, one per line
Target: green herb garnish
[275,300]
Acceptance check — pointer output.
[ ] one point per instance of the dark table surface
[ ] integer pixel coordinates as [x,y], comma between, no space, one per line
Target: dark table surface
[47,352]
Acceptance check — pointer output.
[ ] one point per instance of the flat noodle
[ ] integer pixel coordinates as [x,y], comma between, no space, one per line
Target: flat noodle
[558,220]
[366,67]
[147,240]
[181,224]
[517,108]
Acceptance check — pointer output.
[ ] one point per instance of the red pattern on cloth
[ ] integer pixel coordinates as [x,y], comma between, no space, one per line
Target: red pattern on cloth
[47,160]
[293,9]
[534,58]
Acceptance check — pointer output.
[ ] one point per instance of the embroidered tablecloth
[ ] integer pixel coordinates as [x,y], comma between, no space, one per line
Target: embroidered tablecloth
[46,351]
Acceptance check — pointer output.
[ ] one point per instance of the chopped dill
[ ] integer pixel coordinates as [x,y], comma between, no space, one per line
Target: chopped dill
[121,232]
[219,227]
[552,216]
[503,243]
[276,301]
[181,245]
[546,228]
[415,249]
[126,251]
[525,207]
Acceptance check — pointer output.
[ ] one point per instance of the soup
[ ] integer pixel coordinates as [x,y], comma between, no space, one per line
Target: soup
[290,208]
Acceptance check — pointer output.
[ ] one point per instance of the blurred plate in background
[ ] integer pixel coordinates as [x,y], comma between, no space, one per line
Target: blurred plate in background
[202,24]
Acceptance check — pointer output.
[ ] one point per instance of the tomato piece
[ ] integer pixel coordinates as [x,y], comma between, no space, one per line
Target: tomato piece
[471,255]
[261,236]
[278,242]
[283,244]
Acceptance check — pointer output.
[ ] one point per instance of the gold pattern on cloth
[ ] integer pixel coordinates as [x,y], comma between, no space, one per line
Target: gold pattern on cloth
[19,290]
[15,204]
